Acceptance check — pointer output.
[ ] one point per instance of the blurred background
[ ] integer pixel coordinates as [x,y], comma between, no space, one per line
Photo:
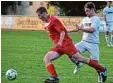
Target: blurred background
[24,43]
[22,14]
[57,8]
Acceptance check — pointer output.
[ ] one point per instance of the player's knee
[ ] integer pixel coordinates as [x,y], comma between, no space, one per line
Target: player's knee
[46,60]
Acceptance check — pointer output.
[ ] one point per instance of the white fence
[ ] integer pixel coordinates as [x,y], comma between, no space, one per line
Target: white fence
[7,22]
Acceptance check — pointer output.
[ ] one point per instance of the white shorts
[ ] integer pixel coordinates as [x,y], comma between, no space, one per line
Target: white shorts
[109,27]
[92,48]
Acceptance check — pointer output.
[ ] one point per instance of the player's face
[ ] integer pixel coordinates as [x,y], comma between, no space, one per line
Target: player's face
[88,12]
[41,16]
[109,3]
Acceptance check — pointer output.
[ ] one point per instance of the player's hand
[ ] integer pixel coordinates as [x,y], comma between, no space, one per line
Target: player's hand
[69,31]
[77,27]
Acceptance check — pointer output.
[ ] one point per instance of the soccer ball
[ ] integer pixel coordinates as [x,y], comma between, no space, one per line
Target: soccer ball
[11,74]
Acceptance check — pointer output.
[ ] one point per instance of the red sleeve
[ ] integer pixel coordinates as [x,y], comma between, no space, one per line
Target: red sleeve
[58,25]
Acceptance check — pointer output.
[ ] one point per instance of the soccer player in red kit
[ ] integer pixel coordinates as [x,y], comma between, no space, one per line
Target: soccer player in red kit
[62,45]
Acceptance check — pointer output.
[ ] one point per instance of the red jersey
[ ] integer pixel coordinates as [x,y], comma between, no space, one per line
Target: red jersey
[54,28]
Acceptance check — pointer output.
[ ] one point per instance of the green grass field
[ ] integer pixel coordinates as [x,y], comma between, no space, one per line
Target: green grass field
[24,52]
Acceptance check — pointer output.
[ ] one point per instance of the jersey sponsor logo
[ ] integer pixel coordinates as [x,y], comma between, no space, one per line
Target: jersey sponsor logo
[110,12]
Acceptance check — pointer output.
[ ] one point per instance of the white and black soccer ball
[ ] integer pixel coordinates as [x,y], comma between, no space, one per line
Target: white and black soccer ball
[11,74]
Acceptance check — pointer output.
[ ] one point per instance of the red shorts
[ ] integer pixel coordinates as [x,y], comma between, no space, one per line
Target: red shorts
[68,49]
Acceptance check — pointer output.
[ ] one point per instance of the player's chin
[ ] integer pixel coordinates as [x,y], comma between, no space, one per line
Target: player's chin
[88,15]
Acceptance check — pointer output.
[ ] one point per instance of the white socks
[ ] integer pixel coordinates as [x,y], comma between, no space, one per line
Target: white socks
[112,38]
[107,39]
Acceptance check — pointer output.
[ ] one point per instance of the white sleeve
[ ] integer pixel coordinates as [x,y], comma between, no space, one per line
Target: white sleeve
[104,11]
[95,23]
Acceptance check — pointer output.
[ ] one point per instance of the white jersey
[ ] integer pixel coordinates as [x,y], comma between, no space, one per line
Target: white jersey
[108,12]
[94,22]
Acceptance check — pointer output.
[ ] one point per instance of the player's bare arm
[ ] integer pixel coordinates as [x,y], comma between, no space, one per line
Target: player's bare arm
[62,35]
[73,30]
[88,30]
[76,29]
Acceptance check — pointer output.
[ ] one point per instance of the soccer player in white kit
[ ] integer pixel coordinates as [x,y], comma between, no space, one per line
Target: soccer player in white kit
[108,17]
[90,40]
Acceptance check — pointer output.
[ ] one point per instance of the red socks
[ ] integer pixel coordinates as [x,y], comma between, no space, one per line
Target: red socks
[92,63]
[96,65]
[51,70]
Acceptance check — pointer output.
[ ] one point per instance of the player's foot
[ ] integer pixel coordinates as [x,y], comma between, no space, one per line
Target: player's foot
[99,77]
[78,66]
[108,45]
[52,80]
[104,75]
[111,44]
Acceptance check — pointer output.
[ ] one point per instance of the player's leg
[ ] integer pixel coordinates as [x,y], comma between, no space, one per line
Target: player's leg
[112,38]
[98,72]
[107,35]
[93,64]
[111,34]
[77,63]
[49,57]
[107,38]
[93,49]
[81,48]
[77,56]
